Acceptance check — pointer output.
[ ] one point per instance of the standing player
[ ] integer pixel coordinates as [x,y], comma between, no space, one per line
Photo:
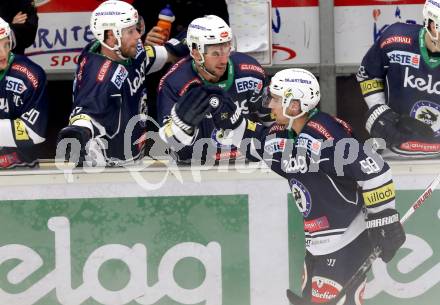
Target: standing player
[23,105]
[400,81]
[345,193]
[212,62]
[109,88]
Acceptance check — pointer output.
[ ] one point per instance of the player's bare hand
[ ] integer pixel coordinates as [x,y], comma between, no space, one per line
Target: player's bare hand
[155,37]
[20,18]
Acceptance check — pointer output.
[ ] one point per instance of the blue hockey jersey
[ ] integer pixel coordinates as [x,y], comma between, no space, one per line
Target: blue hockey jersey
[399,70]
[245,85]
[23,112]
[108,96]
[334,180]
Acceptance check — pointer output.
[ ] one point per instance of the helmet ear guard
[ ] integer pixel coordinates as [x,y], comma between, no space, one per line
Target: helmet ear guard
[7,32]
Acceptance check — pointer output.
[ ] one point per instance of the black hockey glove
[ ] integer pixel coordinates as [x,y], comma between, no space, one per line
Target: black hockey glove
[177,45]
[382,122]
[386,232]
[72,153]
[225,113]
[415,128]
[190,109]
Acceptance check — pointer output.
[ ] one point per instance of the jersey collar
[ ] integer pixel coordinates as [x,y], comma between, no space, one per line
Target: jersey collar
[94,48]
[10,60]
[431,61]
[225,84]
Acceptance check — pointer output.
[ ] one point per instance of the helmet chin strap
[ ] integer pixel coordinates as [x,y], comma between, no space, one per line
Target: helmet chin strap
[116,49]
[201,63]
[292,118]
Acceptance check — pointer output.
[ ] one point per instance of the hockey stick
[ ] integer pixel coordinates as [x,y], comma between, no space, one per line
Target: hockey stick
[365,267]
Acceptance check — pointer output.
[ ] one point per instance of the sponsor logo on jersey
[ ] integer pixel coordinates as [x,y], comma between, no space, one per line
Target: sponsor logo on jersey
[276,128]
[220,139]
[103,70]
[429,113]
[252,126]
[150,51]
[316,225]
[398,39]
[404,58]
[250,67]
[15,85]
[194,81]
[320,129]
[28,73]
[20,130]
[119,76]
[139,50]
[419,83]
[137,81]
[80,117]
[344,124]
[248,84]
[295,164]
[371,86]
[310,143]
[325,289]
[275,145]
[379,195]
[4,105]
[302,197]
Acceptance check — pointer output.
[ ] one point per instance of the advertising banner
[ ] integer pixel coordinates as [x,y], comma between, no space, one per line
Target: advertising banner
[63,30]
[234,242]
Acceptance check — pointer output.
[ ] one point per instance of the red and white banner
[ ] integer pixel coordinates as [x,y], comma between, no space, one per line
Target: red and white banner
[64,29]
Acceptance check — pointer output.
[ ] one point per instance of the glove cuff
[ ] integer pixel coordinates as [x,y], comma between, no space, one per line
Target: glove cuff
[373,114]
[179,123]
[383,218]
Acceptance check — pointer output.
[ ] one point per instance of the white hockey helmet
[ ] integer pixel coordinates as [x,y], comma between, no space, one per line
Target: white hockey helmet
[207,30]
[431,11]
[296,84]
[6,32]
[115,16]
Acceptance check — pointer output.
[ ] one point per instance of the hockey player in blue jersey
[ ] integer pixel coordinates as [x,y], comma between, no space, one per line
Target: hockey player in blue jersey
[23,105]
[212,61]
[400,81]
[109,93]
[342,187]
